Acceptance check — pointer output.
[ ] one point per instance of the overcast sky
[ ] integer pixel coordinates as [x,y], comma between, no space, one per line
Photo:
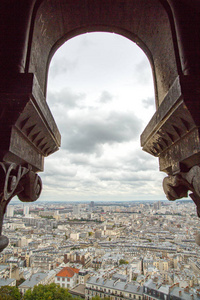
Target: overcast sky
[100,92]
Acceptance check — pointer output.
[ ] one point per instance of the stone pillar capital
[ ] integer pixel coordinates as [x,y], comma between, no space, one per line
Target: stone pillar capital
[16,180]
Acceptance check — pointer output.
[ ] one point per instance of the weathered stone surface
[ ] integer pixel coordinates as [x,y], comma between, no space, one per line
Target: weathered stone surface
[173,132]
[177,186]
[20,181]
[30,33]
[27,126]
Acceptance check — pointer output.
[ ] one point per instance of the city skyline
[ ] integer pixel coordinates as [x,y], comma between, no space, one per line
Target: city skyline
[136,245]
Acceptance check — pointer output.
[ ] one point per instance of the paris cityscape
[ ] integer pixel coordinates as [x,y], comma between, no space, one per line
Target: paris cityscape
[100,80]
[121,250]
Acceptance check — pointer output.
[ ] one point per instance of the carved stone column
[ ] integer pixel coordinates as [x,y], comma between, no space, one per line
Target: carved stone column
[177,186]
[28,134]
[20,181]
[173,136]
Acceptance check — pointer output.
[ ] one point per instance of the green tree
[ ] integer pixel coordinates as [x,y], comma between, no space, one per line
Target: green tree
[20,281]
[123,262]
[48,292]
[9,293]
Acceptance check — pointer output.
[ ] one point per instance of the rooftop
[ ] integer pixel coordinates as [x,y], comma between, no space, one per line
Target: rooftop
[33,280]
[7,281]
[78,290]
[67,272]
[116,284]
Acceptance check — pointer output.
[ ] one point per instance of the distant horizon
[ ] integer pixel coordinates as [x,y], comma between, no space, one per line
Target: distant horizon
[98,201]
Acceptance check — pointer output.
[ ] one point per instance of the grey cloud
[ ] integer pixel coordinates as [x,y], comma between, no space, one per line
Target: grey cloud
[106,164]
[140,160]
[67,98]
[124,176]
[137,176]
[79,159]
[106,178]
[86,134]
[105,97]
[136,161]
[82,169]
[148,102]
[61,65]
[58,170]
[142,72]
[86,42]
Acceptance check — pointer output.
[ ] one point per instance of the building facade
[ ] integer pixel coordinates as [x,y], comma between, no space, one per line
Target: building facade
[67,277]
[115,289]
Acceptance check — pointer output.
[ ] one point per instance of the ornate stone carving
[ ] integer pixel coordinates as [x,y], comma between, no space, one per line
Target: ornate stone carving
[174,125]
[20,181]
[177,186]
[27,126]
[28,134]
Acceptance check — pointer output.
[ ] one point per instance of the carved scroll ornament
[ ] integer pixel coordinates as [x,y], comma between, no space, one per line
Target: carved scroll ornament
[177,187]
[20,181]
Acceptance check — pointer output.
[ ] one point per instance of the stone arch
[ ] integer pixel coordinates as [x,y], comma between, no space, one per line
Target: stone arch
[145,23]
[168,31]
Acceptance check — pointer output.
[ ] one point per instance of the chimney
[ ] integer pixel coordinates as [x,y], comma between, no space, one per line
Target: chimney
[186,290]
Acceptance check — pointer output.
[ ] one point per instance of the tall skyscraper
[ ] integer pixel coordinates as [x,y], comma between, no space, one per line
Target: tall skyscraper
[76,210]
[10,211]
[159,205]
[26,210]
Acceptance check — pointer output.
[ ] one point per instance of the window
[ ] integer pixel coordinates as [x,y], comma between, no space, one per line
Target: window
[63,279]
[68,279]
[58,278]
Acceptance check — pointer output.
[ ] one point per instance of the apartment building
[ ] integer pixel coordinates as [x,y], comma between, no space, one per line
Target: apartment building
[34,280]
[153,290]
[115,289]
[82,257]
[67,277]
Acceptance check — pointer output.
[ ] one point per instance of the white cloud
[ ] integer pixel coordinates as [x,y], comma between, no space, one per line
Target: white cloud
[100,91]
